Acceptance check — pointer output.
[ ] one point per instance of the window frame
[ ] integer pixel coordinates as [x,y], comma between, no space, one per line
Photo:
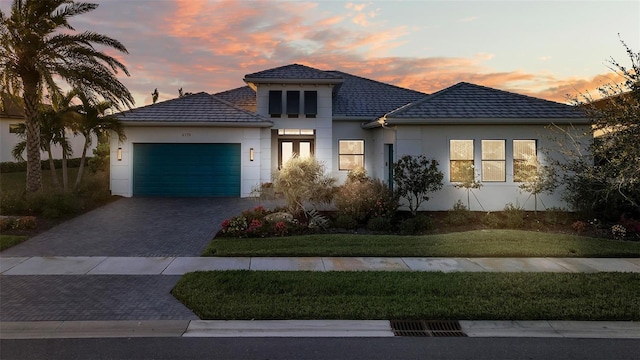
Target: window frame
[519,164]
[14,129]
[341,154]
[456,161]
[486,161]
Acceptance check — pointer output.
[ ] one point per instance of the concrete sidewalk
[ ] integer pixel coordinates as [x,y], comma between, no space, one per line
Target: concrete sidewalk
[305,328]
[101,265]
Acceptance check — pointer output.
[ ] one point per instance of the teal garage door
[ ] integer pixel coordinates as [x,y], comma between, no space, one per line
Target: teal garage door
[186,170]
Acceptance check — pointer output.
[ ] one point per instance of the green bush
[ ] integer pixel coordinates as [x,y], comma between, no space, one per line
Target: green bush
[100,159]
[459,214]
[343,221]
[362,198]
[557,216]
[379,224]
[415,225]
[415,177]
[57,205]
[303,180]
[513,216]
[491,221]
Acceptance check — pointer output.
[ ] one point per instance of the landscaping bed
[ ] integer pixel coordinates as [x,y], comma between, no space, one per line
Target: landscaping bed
[236,295]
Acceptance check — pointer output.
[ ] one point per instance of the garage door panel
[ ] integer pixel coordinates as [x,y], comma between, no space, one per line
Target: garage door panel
[186,170]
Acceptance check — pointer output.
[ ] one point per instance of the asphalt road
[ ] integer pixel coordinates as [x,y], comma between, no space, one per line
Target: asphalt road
[322,348]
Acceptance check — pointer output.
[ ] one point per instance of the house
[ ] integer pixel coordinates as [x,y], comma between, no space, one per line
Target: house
[228,143]
[11,116]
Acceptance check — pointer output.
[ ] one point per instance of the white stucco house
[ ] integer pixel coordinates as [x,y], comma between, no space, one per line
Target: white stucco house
[228,143]
[11,116]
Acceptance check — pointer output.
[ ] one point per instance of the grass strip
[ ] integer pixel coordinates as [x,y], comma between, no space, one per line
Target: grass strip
[235,295]
[7,241]
[480,243]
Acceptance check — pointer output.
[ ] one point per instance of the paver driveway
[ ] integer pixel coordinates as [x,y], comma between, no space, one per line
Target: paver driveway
[145,227]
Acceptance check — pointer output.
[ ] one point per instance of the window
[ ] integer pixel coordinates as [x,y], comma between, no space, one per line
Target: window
[290,147]
[525,161]
[461,160]
[275,103]
[350,154]
[303,132]
[311,103]
[493,162]
[14,128]
[293,103]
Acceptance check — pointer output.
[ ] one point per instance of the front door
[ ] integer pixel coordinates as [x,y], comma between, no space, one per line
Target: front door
[287,148]
[388,164]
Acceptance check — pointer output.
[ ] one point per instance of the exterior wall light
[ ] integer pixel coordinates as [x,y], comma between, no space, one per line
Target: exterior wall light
[119,154]
[251,154]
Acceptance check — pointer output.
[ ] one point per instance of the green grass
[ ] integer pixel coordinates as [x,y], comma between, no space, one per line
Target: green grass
[480,243]
[410,295]
[7,241]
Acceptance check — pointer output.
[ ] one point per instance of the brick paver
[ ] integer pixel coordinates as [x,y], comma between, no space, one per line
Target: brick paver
[142,227]
[82,297]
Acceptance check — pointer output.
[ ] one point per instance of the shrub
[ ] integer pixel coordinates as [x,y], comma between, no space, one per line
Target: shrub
[513,216]
[100,159]
[301,180]
[491,221]
[359,174]
[345,222]
[364,200]
[416,177]
[379,224]
[556,216]
[6,223]
[459,214]
[24,223]
[414,225]
[579,226]
[618,231]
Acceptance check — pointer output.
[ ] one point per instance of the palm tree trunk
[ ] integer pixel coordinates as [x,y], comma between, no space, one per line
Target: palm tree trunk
[65,176]
[34,170]
[52,167]
[82,159]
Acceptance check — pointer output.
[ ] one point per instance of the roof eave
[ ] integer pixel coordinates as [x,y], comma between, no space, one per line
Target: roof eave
[253,81]
[484,121]
[232,124]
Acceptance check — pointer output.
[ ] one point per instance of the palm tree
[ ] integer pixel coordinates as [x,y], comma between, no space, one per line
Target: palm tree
[54,120]
[33,51]
[95,121]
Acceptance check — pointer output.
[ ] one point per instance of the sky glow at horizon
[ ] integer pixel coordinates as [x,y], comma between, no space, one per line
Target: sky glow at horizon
[544,49]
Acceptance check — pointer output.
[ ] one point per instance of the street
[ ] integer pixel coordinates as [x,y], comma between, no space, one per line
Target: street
[322,348]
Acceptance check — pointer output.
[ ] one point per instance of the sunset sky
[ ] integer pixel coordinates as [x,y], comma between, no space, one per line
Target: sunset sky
[546,49]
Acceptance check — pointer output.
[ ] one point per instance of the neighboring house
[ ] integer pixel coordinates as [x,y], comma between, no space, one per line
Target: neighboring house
[229,143]
[11,116]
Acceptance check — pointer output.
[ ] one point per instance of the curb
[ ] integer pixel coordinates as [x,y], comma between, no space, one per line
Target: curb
[305,328]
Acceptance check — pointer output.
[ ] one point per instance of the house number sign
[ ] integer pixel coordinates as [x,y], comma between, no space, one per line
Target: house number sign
[186,134]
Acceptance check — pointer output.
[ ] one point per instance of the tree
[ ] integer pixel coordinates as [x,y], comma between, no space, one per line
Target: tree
[94,121]
[607,180]
[416,177]
[154,95]
[537,179]
[470,182]
[54,120]
[34,50]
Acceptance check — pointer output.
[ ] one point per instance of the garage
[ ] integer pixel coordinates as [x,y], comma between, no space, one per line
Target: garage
[186,170]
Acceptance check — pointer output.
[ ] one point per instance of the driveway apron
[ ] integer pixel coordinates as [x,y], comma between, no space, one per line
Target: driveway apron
[130,227]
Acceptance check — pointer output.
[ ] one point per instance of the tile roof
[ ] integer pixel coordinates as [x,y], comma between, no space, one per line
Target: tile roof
[361,97]
[198,108]
[469,101]
[243,97]
[293,71]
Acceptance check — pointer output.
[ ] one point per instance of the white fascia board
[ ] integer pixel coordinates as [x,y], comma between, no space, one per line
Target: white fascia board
[486,121]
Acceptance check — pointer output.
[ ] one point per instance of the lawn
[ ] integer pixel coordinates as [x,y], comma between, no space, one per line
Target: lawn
[479,243]
[231,295]
[7,241]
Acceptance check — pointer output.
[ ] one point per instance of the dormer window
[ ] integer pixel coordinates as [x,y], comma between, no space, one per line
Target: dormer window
[275,103]
[293,104]
[310,103]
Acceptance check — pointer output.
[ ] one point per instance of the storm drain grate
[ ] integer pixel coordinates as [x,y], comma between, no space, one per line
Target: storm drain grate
[427,328]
